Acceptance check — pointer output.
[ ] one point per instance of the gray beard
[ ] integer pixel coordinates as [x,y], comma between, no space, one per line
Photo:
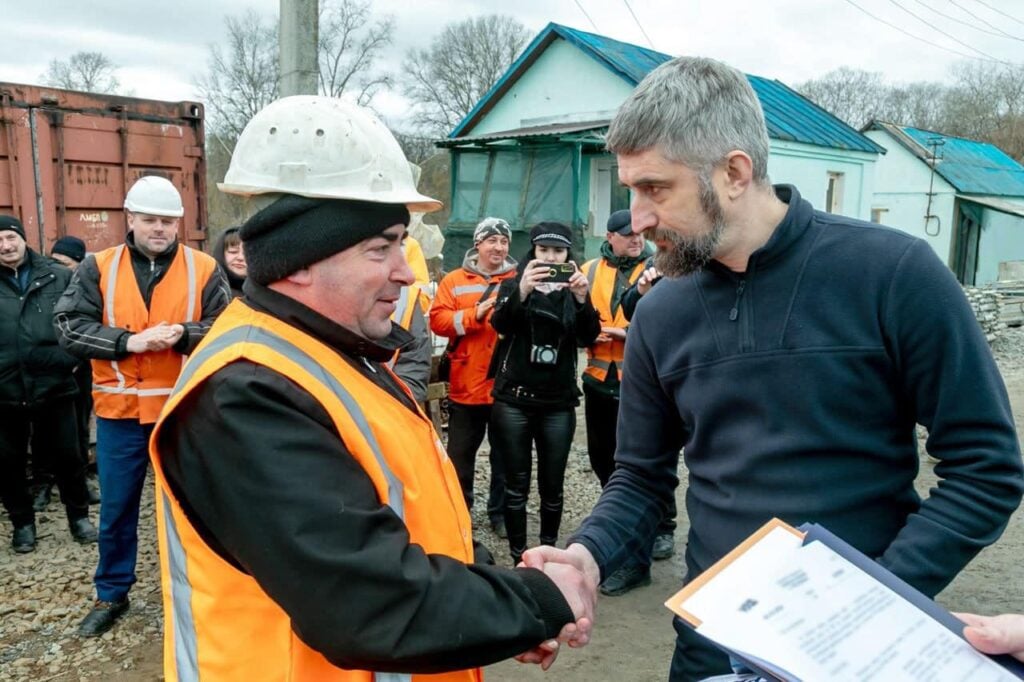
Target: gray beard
[687,255]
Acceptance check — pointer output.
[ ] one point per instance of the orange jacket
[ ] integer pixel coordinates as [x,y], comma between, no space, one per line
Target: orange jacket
[453,315]
[136,386]
[602,277]
[220,625]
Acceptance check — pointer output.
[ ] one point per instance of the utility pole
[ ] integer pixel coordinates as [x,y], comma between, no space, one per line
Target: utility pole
[297,43]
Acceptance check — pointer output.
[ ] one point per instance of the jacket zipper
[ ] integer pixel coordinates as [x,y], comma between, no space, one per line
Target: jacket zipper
[734,314]
[745,342]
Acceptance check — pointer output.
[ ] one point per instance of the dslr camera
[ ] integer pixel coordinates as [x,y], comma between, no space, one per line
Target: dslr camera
[542,354]
[560,272]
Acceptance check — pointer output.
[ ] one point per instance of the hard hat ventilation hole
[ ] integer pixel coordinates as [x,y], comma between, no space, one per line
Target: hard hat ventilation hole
[295,131]
[273,130]
[319,132]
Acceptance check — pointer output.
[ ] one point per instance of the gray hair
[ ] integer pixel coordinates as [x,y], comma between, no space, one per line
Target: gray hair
[695,111]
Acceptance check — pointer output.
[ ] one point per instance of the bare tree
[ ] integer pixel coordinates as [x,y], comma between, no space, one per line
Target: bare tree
[851,94]
[242,79]
[448,78]
[350,44]
[85,71]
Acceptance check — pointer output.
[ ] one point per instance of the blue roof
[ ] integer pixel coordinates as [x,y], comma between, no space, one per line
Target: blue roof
[789,115]
[972,167]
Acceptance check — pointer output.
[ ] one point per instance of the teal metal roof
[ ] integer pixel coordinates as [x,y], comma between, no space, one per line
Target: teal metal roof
[972,167]
[789,115]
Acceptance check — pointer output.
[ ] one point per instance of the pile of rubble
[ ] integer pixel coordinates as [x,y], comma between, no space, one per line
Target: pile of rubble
[986,304]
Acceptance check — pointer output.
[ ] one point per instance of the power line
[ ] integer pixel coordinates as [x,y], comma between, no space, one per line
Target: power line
[911,35]
[960,21]
[948,35]
[641,26]
[999,11]
[982,19]
[586,15]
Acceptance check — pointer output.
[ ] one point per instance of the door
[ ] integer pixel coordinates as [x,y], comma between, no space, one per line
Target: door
[606,194]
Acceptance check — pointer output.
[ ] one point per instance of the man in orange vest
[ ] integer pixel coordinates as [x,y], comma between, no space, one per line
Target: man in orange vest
[613,278]
[136,310]
[315,530]
[462,311]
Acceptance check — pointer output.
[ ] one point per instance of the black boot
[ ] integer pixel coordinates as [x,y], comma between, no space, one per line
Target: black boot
[41,500]
[550,522]
[102,617]
[24,539]
[82,530]
[515,524]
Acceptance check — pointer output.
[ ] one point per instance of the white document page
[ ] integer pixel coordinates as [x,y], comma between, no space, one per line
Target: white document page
[816,616]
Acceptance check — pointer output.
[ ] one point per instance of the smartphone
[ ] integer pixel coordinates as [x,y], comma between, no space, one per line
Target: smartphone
[560,272]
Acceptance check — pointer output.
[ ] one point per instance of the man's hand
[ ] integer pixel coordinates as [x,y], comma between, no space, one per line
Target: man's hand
[576,574]
[647,280]
[482,308]
[156,338]
[610,333]
[995,634]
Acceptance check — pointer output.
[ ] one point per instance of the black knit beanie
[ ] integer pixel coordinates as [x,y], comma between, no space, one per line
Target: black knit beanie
[294,232]
[9,222]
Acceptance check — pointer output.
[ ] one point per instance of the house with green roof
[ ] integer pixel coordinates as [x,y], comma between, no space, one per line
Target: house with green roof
[532,148]
[964,197]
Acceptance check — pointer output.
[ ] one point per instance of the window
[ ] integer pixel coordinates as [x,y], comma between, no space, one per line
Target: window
[834,193]
[878,215]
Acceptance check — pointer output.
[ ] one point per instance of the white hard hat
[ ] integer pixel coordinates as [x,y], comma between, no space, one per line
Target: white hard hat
[154,195]
[325,148]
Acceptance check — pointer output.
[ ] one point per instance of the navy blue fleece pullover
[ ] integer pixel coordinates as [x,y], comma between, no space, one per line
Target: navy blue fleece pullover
[795,388]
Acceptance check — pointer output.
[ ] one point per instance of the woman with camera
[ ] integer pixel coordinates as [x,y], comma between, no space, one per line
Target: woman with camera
[543,317]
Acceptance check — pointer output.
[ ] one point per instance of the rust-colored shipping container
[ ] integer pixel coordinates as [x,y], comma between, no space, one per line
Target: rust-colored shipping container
[68,158]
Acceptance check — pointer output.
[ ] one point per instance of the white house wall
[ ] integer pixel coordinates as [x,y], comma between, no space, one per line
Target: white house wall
[808,167]
[1002,239]
[901,189]
[563,85]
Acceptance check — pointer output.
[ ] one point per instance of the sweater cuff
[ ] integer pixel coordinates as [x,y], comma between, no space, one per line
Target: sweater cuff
[554,609]
[121,348]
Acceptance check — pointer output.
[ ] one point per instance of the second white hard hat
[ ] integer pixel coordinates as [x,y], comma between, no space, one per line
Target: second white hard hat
[154,195]
[322,147]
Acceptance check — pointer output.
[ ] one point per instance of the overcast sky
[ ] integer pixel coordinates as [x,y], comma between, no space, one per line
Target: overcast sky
[161,47]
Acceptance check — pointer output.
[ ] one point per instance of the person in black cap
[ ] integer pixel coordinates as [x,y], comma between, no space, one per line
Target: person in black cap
[319,502]
[542,325]
[68,251]
[612,277]
[36,388]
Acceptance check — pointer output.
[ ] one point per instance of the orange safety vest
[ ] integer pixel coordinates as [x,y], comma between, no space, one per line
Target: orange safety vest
[602,278]
[136,386]
[219,624]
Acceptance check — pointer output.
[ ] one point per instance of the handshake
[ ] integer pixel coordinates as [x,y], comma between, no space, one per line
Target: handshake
[156,338]
[575,573]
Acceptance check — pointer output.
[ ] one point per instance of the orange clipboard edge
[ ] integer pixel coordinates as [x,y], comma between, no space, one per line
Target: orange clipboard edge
[675,602]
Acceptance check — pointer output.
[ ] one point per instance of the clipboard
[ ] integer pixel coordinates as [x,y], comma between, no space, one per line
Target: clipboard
[810,533]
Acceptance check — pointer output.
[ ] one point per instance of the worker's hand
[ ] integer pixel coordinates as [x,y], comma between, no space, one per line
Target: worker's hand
[578,284]
[617,333]
[482,308]
[543,654]
[576,574]
[995,634]
[647,279]
[159,337]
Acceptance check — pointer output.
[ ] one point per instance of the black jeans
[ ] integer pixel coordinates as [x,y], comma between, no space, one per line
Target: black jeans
[56,433]
[602,412]
[42,466]
[467,425]
[514,430]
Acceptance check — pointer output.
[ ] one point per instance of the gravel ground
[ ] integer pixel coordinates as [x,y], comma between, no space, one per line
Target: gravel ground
[45,594]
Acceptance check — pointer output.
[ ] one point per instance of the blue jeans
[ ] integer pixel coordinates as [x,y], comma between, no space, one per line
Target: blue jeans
[122,455]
